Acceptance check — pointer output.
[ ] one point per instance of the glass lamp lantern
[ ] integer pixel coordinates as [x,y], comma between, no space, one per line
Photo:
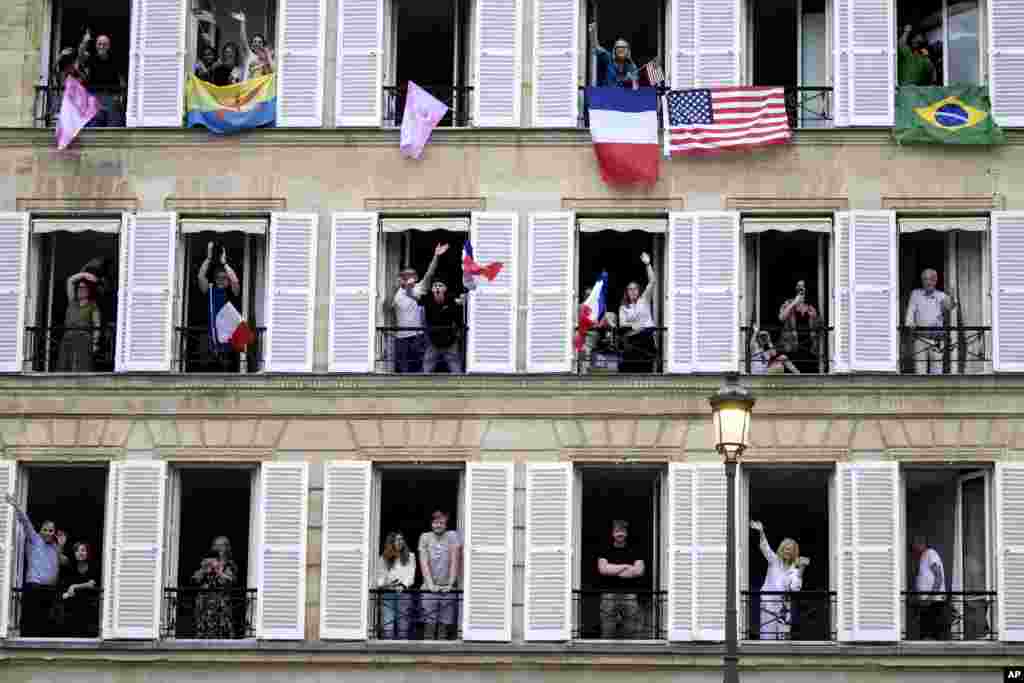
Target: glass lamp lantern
[730,410]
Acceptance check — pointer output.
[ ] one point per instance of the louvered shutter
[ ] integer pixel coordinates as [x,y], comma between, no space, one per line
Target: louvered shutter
[110,553]
[1008,291]
[360,63]
[291,292]
[281,595]
[841,58]
[550,321]
[138,549]
[13,277]
[684,43]
[841,294]
[1006,61]
[156,72]
[556,63]
[353,287]
[872,74]
[874,338]
[345,554]
[300,60]
[679,308]
[493,306]
[487,597]
[145,295]
[548,552]
[681,589]
[869,598]
[8,470]
[716,283]
[498,70]
[1010,530]
[718,46]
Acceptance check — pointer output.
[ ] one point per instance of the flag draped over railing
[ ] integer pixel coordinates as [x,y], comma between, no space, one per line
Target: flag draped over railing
[955,115]
[231,108]
[713,120]
[78,108]
[624,128]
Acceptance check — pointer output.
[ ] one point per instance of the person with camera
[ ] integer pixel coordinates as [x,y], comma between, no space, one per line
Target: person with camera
[799,338]
[215,579]
[44,556]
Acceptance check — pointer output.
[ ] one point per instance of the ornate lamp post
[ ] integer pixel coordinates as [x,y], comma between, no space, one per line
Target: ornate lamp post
[730,409]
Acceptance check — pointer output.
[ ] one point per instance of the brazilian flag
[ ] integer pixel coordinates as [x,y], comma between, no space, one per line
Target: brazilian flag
[955,115]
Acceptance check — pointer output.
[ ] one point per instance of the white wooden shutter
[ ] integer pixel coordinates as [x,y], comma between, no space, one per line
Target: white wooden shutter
[681,622]
[874,339]
[841,59]
[138,549]
[1006,61]
[869,594]
[1008,291]
[156,71]
[555,63]
[1010,530]
[13,279]
[300,63]
[487,597]
[718,44]
[291,292]
[281,593]
[716,283]
[109,584]
[550,321]
[145,296]
[8,472]
[684,43]
[841,294]
[360,63]
[680,293]
[353,288]
[493,307]
[872,76]
[345,554]
[548,594]
[498,68]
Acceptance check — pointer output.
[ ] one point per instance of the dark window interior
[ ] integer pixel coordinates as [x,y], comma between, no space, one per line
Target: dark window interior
[109,17]
[925,16]
[787,257]
[73,498]
[214,502]
[62,254]
[426,50]
[619,254]
[775,42]
[919,251]
[260,17]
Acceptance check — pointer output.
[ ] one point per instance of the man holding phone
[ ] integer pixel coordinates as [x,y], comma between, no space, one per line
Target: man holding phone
[44,555]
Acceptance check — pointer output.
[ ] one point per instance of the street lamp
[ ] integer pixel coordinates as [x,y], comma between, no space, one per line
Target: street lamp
[731,407]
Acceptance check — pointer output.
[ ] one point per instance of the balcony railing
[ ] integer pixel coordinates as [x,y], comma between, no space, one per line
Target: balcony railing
[415,615]
[46,105]
[208,613]
[808,350]
[75,618]
[779,615]
[949,616]
[405,349]
[196,353]
[944,350]
[607,349]
[456,97]
[70,349]
[809,107]
[619,614]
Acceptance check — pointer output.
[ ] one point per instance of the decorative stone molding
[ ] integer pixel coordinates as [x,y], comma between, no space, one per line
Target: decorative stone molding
[64,204]
[416,205]
[940,454]
[796,455]
[54,454]
[782,204]
[214,454]
[953,204]
[597,454]
[623,206]
[224,205]
[426,453]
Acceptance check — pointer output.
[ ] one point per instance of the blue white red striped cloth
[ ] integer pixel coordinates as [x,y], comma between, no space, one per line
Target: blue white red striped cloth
[591,310]
[716,119]
[471,269]
[624,128]
[227,329]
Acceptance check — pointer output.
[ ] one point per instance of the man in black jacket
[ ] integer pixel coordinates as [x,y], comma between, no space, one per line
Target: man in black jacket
[444,328]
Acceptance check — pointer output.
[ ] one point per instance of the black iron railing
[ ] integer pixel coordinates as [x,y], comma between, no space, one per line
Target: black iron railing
[619,614]
[47,102]
[70,349]
[456,97]
[415,615]
[781,615]
[197,353]
[618,349]
[77,617]
[809,107]
[406,349]
[949,616]
[208,613]
[805,350]
[944,350]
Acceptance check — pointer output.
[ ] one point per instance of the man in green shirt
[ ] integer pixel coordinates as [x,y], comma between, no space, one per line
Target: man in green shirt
[913,65]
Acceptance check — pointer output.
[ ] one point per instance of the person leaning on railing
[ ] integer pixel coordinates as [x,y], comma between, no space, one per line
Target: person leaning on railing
[928,307]
[395,575]
[82,322]
[80,585]
[785,575]
[216,577]
[104,79]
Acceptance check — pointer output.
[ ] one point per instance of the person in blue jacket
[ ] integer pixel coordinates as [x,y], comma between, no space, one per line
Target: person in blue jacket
[615,68]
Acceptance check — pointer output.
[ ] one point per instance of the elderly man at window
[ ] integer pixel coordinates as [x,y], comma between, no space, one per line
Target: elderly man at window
[928,308]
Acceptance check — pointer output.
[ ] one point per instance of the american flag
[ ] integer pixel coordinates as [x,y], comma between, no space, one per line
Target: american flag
[709,120]
[652,73]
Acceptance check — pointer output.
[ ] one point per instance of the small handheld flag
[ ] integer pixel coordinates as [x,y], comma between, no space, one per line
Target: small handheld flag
[78,108]
[231,329]
[591,310]
[471,269]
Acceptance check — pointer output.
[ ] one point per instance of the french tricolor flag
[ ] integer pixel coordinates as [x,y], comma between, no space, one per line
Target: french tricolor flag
[471,269]
[231,329]
[624,127]
[591,310]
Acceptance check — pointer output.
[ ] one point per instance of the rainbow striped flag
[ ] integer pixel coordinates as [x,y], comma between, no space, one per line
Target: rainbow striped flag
[231,108]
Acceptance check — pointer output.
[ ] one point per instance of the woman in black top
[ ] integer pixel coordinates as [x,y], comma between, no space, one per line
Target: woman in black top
[80,591]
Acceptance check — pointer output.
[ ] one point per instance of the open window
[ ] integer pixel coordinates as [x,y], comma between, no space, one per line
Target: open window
[948,588]
[631,339]
[72,497]
[945,311]
[72,318]
[786,259]
[946,39]
[642,24]
[208,338]
[781,601]
[215,26]
[609,607]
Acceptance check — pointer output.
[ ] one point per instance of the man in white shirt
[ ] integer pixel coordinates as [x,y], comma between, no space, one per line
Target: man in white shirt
[928,307]
[930,580]
[405,303]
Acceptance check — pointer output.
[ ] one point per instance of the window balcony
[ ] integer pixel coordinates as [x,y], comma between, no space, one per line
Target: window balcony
[960,350]
[70,349]
[208,613]
[609,350]
[949,616]
[780,615]
[415,615]
[196,353]
[75,618]
[807,352]
[456,97]
[46,105]
[396,354]
[619,614]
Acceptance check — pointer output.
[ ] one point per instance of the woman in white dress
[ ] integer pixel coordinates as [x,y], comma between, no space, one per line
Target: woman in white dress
[785,574]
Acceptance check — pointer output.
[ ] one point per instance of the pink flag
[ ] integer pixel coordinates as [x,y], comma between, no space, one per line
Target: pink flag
[423,112]
[77,109]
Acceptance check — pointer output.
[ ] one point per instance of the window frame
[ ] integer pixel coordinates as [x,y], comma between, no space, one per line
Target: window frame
[588,62]
[983,65]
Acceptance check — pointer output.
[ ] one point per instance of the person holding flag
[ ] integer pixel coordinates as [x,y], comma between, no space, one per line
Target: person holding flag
[591,311]
[228,333]
[471,269]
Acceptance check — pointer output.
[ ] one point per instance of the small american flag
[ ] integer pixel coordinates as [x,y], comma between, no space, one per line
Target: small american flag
[652,73]
[710,120]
